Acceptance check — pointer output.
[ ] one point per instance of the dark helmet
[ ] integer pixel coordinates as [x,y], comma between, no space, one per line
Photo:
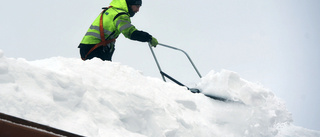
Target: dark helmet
[134,2]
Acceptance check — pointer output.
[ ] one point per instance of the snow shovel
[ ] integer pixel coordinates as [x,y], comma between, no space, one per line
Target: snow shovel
[164,75]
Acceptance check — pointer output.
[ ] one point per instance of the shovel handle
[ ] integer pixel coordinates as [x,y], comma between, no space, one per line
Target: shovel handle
[194,66]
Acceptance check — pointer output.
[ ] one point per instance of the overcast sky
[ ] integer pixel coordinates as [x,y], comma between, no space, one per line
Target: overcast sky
[272,42]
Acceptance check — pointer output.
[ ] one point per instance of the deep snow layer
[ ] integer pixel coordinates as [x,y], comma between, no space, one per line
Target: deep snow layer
[96,99]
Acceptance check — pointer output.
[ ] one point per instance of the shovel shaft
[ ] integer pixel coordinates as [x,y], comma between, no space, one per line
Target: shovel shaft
[194,66]
[155,58]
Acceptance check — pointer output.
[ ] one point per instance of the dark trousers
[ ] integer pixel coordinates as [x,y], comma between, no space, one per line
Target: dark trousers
[103,52]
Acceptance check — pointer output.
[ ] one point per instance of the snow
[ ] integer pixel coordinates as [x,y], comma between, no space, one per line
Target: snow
[95,98]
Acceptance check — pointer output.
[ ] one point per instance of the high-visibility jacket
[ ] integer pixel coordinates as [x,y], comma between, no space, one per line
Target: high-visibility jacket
[116,20]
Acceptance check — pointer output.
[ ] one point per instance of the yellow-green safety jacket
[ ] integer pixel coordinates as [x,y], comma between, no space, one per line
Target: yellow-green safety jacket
[116,20]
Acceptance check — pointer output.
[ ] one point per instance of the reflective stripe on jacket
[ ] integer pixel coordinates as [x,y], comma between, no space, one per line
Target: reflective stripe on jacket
[116,20]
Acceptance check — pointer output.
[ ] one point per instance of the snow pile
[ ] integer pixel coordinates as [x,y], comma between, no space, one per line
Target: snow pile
[96,99]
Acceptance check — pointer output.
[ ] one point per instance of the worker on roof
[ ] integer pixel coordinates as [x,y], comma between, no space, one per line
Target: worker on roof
[115,20]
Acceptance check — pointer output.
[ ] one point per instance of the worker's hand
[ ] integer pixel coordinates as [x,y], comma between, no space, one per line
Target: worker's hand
[154,42]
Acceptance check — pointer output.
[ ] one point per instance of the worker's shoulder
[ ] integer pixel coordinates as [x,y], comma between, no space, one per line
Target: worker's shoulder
[119,13]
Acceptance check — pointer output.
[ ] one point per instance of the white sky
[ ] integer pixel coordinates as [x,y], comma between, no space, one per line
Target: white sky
[275,43]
